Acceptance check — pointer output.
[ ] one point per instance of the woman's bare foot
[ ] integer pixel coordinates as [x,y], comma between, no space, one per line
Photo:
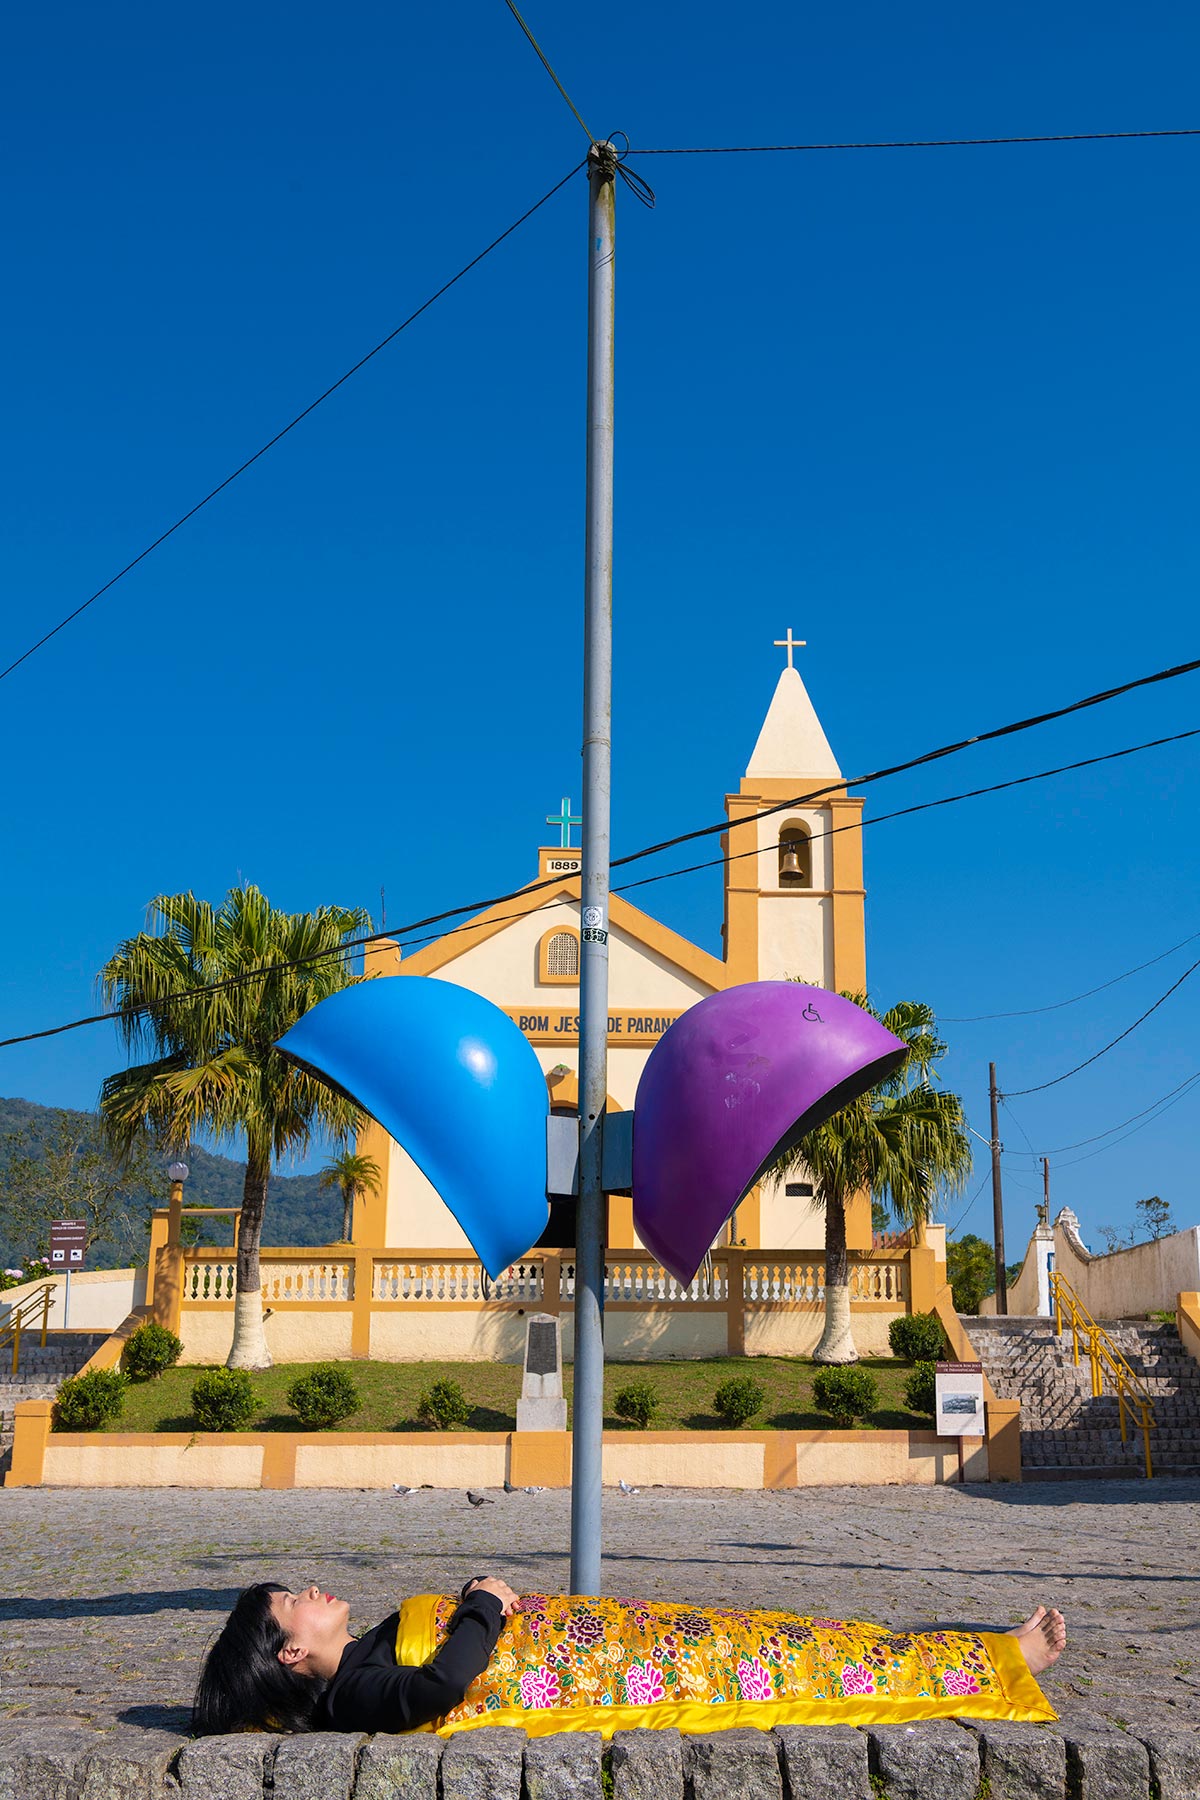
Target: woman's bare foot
[1042,1638]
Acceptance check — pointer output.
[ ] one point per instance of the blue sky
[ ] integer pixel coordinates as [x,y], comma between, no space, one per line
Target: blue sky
[933,409]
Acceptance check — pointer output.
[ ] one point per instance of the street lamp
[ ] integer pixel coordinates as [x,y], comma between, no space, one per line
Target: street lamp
[177,1174]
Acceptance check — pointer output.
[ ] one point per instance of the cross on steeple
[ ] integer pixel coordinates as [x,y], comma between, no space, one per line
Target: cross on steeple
[789,643]
[564,821]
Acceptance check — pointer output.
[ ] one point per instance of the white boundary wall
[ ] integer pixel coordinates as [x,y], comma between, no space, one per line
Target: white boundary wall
[1127,1284]
[100,1298]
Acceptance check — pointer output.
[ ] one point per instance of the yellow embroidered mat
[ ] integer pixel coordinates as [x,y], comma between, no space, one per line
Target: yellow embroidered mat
[607,1665]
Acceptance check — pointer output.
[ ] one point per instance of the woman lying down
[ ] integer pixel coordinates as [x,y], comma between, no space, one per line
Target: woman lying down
[289,1662]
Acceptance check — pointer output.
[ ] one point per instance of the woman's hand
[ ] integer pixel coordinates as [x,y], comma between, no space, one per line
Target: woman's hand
[504,1594]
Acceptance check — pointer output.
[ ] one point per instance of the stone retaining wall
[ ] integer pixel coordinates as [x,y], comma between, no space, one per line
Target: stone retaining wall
[946,1760]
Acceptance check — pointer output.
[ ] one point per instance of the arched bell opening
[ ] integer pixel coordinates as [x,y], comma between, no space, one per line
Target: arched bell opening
[795,857]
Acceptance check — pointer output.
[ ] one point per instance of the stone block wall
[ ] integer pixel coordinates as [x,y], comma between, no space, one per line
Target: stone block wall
[946,1760]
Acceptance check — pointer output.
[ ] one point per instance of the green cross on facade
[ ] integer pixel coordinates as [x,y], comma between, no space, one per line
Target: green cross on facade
[564,821]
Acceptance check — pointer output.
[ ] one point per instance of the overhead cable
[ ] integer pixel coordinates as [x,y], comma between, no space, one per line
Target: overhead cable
[1029,1012]
[483,905]
[1041,1086]
[1047,137]
[550,72]
[1061,1149]
[290,426]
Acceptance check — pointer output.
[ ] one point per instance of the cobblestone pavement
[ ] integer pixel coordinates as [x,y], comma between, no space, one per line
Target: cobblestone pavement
[109,1597]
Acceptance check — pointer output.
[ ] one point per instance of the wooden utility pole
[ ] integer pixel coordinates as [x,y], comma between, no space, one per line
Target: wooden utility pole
[1046,1187]
[997,1195]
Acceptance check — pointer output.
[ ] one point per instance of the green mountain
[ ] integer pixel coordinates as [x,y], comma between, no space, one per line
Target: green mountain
[299,1210]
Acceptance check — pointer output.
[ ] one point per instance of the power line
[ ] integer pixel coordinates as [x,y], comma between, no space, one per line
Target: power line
[916,762]
[1061,1149]
[1168,1102]
[1111,1045]
[290,426]
[995,787]
[1049,137]
[1057,1005]
[951,1229]
[483,905]
[550,72]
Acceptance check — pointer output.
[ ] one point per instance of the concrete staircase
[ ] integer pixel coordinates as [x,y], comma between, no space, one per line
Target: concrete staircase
[1064,1431]
[40,1372]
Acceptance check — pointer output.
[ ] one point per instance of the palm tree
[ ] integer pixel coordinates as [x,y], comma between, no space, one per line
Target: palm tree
[209,991]
[902,1141]
[351,1173]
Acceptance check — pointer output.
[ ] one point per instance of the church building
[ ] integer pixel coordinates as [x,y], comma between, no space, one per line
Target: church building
[794,907]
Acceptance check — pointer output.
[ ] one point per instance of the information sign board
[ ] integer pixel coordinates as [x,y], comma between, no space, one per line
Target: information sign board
[68,1245]
[959,1405]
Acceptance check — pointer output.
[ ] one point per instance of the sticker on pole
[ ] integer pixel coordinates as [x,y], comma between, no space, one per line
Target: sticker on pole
[959,1400]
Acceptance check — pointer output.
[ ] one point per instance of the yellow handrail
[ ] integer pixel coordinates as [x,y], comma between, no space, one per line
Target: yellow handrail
[1105,1358]
[22,1316]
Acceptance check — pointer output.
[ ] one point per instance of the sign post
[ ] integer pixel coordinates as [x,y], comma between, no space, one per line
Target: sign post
[958,1404]
[68,1247]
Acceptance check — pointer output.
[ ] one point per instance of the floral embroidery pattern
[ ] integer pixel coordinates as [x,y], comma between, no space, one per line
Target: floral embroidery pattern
[539,1687]
[754,1679]
[644,1684]
[563,1652]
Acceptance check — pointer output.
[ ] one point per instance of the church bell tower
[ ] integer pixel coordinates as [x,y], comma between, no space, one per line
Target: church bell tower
[794,907]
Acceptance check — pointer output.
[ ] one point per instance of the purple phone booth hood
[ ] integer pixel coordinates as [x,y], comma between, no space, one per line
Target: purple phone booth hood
[741,1076]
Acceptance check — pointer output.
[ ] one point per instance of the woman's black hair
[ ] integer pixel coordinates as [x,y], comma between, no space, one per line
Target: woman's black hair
[243,1685]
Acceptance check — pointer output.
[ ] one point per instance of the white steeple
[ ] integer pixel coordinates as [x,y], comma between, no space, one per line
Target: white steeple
[791,741]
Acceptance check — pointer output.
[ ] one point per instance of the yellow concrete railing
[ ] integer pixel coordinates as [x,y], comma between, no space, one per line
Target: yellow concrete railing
[25,1317]
[1105,1358]
[543,1277]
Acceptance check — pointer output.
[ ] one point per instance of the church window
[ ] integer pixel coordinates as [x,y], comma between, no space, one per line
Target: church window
[795,857]
[558,957]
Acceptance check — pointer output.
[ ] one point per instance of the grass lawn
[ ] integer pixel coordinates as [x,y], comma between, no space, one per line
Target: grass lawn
[389,1393]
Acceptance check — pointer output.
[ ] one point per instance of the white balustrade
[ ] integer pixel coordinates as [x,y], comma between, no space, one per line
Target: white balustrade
[209,1280]
[632,1279]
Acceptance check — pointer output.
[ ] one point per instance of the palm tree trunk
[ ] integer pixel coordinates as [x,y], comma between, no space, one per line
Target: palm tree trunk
[837,1343]
[249,1349]
[347,1210]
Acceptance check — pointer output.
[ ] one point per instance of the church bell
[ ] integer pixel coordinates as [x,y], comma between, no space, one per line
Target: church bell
[790,862]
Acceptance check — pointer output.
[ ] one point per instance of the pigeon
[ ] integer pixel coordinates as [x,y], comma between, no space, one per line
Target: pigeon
[626,1489]
[533,1490]
[478,1499]
[402,1492]
[510,1489]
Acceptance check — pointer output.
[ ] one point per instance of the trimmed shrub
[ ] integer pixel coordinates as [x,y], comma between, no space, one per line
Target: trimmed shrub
[847,1393]
[637,1404]
[150,1350]
[920,1389]
[737,1400]
[223,1400]
[443,1407]
[90,1401]
[323,1396]
[917,1337]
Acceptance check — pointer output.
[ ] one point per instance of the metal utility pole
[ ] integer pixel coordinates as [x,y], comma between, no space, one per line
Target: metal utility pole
[588,1422]
[1046,1186]
[997,1196]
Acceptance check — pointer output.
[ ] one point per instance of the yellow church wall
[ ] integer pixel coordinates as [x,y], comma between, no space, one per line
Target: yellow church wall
[504,967]
[794,938]
[789,1224]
